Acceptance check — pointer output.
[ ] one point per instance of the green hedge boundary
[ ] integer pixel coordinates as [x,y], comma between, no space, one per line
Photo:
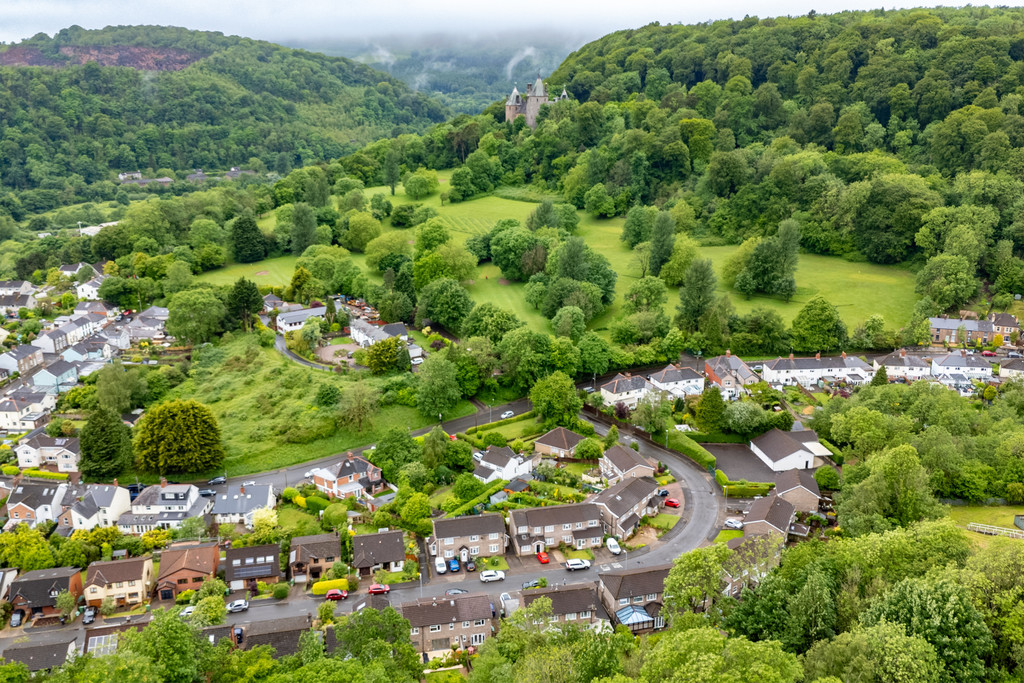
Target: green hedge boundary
[470,504]
[716,437]
[321,587]
[742,488]
[832,449]
[681,443]
[40,474]
[500,423]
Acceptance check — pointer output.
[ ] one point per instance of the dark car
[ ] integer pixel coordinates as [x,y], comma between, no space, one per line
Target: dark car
[89,616]
[663,493]
[455,591]
[17,618]
[216,481]
[206,493]
[470,566]
[531,584]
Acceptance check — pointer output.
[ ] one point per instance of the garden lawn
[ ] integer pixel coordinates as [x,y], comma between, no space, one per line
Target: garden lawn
[663,521]
[272,272]
[391,578]
[496,563]
[578,468]
[292,518]
[996,515]
[581,554]
[438,496]
[726,535]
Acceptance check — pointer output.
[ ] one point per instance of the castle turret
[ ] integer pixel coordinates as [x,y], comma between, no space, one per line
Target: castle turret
[514,105]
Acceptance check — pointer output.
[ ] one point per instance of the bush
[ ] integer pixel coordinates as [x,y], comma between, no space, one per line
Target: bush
[316,504]
[39,474]
[184,597]
[691,449]
[321,587]
[482,498]
[300,501]
[827,478]
[289,494]
[281,591]
[10,470]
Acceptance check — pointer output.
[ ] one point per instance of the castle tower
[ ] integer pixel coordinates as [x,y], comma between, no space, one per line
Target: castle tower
[514,105]
[536,97]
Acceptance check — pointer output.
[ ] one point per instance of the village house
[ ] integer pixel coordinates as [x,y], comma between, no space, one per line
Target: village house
[500,463]
[185,567]
[95,308]
[678,381]
[37,449]
[1004,324]
[11,303]
[634,597]
[71,270]
[127,582]
[1009,368]
[91,289]
[558,443]
[364,334]
[94,506]
[42,658]
[312,556]
[769,515]
[36,591]
[56,378]
[439,625]
[535,530]
[238,504]
[351,476]
[25,411]
[163,507]
[32,503]
[69,333]
[782,451]
[955,331]
[799,488]
[272,301]
[624,504]
[620,463]
[625,389]
[14,287]
[294,320]
[283,634]
[243,566]
[574,605]
[382,550]
[901,364]
[971,366]
[148,324]
[810,371]
[90,350]
[730,374]
[468,537]
[21,359]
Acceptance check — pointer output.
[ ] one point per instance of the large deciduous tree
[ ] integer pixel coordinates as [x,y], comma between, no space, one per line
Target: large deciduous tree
[179,436]
[438,390]
[195,315]
[818,327]
[555,398]
[696,295]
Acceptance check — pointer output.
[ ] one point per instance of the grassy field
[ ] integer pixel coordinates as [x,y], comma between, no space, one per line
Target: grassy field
[276,272]
[996,515]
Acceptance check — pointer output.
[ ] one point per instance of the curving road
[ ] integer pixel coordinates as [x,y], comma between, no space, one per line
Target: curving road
[280,345]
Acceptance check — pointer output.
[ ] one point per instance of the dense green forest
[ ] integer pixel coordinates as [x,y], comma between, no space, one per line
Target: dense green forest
[66,131]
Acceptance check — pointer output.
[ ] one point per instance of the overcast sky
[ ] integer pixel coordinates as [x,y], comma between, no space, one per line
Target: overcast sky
[317,19]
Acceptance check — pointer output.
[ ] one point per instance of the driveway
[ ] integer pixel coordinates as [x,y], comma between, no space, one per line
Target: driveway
[739,462]
[283,348]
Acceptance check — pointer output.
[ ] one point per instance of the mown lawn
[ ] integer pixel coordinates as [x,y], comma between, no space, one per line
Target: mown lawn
[996,515]
[726,535]
[275,272]
[663,521]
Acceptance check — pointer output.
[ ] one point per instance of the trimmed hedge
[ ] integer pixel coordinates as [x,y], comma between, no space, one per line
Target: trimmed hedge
[678,441]
[482,498]
[491,425]
[10,470]
[716,437]
[721,478]
[321,587]
[281,591]
[830,447]
[39,474]
[748,490]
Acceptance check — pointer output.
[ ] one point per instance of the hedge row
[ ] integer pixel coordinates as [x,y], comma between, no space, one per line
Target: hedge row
[830,447]
[40,474]
[678,441]
[321,587]
[716,437]
[748,490]
[499,423]
[482,498]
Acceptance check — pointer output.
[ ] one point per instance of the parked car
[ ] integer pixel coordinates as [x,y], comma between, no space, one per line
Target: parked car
[733,524]
[576,565]
[613,546]
[187,612]
[336,594]
[492,575]
[543,558]
[455,591]
[217,481]
[207,493]
[379,589]
[89,616]
[308,475]
[470,565]
[453,565]
[440,566]
[507,414]
[249,483]
[988,354]
[417,361]
[663,493]
[238,606]
[1014,354]
[17,618]
[529,584]
[671,502]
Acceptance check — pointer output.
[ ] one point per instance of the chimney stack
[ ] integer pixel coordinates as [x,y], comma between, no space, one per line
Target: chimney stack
[903,353]
[817,356]
[163,482]
[791,355]
[843,354]
[728,353]
[351,456]
[241,491]
[115,481]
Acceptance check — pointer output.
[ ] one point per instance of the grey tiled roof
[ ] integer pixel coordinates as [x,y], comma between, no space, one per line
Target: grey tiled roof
[382,547]
[791,479]
[773,510]
[472,525]
[624,459]
[671,373]
[565,599]
[234,502]
[560,438]
[621,497]
[623,583]
[777,444]
[446,610]
[620,384]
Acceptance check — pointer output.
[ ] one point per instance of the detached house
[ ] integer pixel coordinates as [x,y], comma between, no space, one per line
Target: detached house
[21,359]
[11,303]
[1004,324]
[382,550]
[575,605]
[243,566]
[90,289]
[782,451]
[163,507]
[43,657]
[500,463]
[185,567]
[33,503]
[365,334]
[127,582]
[468,537]
[799,488]
[769,515]
[25,411]
[353,475]
[900,364]
[36,591]
[634,597]
[272,301]
[12,287]
[624,504]
[439,625]
[621,463]
[313,556]
[238,504]
[559,442]
[294,320]
[39,450]
[730,374]
[96,505]
[678,381]
[625,389]
[961,363]
[1008,368]
[535,530]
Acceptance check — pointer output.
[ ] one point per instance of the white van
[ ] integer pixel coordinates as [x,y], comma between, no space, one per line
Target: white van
[440,566]
[613,546]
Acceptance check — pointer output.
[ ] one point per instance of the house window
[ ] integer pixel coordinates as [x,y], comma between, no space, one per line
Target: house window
[492,537]
[493,548]
[474,539]
[638,599]
[579,525]
[475,550]
[449,541]
[585,615]
[592,523]
[571,616]
[566,539]
[449,553]
[197,579]
[329,559]
[465,624]
[524,549]
[236,563]
[549,528]
[651,597]
[181,581]
[250,560]
[93,590]
[553,619]
[623,601]
[522,529]
[435,628]
[451,627]
[479,622]
[566,527]
[477,638]
[415,631]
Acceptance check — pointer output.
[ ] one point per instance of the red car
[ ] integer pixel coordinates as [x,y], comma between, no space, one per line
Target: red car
[379,589]
[988,354]
[335,594]
[671,502]
[543,558]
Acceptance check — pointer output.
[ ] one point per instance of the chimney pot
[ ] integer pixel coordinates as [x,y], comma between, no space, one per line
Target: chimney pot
[817,356]
[115,481]
[241,490]
[351,456]
[903,353]
[728,353]
[843,355]
[791,355]
[163,482]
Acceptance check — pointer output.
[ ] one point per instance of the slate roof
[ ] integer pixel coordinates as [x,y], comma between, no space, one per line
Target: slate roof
[1004,320]
[281,633]
[38,438]
[773,510]
[447,610]
[724,365]
[472,525]
[555,515]
[35,586]
[777,444]
[814,363]
[621,497]
[956,323]
[202,559]
[157,496]
[301,315]
[272,300]
[560,438]
[622,583]
[1013,364]
[791,479]
[32,494]
[103,573]
[379,548]
[620,384]
[565,599]
[234,502]
[395,329]
[257,569]
[958,359]
[23,351]
[671,373]
[357,465]
[318,545]
[498,456]
[59,368]
[624,459]
[900,359]
[39,657]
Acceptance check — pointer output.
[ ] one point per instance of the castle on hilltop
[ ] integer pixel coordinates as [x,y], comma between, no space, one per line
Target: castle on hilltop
[529,106]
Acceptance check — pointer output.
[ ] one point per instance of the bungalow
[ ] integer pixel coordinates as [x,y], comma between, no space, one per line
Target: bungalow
[351,476]
[312,556]
[21,359]
[781,451]
[624,504]
[294,320]
[365,334]
[163,507]
[900,364]
[56,377]
[91,288]
[962,363]
[32,503]
[71,270]
[238,504]
[634,597]
[468,537]
[575,605]
[43,657]
[36,591]
[439,625]
[382,550]
[559,442]
[535,530]
[24,412]
[95,506]
[809,371]
[620,463]
[730,374]
[1004,324]
[244,566]
[678,381]
[954,331]
[769,515]
[500,463]
[1009,368]
[799,488]
[625,389]
[127,582]
[283,634]
[185,567]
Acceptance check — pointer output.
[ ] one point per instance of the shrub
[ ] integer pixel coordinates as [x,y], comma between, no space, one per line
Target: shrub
[321,587]
[300,501]
[691,449]
[10,470]
[40,474]
[495,439]
[184,597]
[289,494]
[281,591]
[721,478]
[316,504]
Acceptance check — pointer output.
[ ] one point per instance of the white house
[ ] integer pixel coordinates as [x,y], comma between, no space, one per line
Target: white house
[163,507]
[500,463]
[901,364]
[626,389]
[32,503]
[10,303]
[809,371]
[91,289]
[240,503]
[365,334]
[37,449]
[1011,368]
[13,287]
[678,381]
[294,320]
[961,363]
[96,505]
[25,411]
[781,451]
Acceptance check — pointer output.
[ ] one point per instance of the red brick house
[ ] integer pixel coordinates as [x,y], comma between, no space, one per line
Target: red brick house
[36,591]
[186,567]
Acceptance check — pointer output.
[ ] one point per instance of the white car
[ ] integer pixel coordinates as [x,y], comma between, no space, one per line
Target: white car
[238,606]
[187,612]
[573,565]
[507,414]
[440,566]
[733,524]
[491,575]
[417,361]
[308,475]
[249,483]
[613,546]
